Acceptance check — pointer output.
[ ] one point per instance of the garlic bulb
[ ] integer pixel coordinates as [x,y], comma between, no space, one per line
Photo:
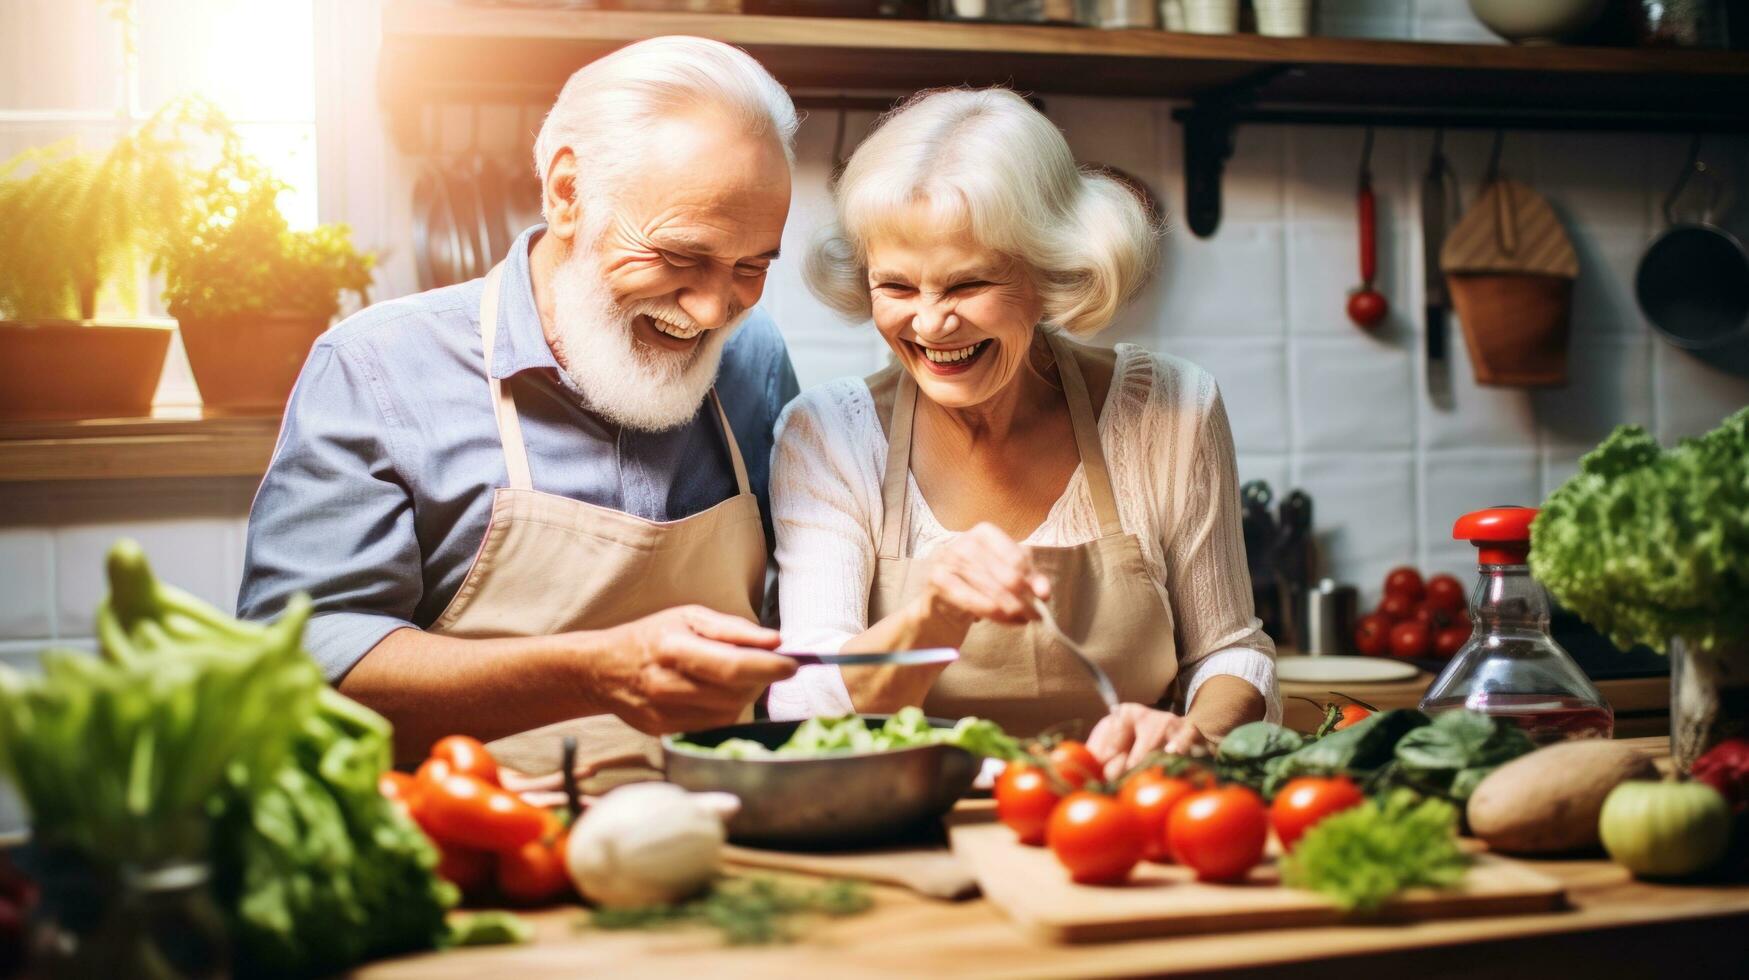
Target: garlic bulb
[645,844]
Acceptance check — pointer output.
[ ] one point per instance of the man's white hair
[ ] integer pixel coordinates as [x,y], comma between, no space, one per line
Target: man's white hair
[608,102]
[984,162]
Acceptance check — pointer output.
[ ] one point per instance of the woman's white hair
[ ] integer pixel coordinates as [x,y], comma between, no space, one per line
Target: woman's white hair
[985,162]
[607,103]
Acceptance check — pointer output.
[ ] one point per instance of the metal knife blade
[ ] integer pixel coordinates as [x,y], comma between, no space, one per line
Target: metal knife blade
[1436,201]
[902,658]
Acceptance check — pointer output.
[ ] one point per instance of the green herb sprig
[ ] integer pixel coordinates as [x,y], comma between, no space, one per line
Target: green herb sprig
[1362,857]
[751,911]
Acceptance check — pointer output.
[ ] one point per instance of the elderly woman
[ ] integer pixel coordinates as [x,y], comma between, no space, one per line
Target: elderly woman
[999,464]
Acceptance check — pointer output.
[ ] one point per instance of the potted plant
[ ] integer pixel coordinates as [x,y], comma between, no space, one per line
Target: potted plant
[75,226]
[249,293]
[1652,546]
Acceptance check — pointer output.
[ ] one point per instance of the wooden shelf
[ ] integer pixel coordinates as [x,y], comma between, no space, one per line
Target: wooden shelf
[469,51]
[169,445]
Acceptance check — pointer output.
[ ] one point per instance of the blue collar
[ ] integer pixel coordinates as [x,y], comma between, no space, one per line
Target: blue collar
[521,344]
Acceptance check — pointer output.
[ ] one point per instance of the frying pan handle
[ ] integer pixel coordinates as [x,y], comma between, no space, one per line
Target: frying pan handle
[1715,187]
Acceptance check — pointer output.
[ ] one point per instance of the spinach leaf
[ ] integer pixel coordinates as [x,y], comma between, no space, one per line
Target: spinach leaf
[1458,744]
[1256,742]
[1356,750]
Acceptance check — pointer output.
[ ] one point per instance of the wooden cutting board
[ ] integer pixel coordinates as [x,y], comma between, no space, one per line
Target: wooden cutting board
[927,870]
[1030,886]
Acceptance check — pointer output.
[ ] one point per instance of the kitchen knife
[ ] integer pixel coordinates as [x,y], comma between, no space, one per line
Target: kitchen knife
[901,658]
[1438,188]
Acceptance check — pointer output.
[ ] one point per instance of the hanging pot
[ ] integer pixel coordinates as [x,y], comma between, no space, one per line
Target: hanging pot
[1693,281]
[1510,268]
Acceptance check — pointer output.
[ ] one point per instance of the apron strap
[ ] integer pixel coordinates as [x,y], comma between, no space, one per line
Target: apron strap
[503,402]
[893,481]
[1086,427]
[741,482]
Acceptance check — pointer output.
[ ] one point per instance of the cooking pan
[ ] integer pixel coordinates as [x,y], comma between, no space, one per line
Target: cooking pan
[1693,281]
[823,802]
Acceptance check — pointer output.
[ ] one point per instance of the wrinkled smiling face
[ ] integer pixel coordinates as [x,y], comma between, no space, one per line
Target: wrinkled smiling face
[960,317]
[658,277]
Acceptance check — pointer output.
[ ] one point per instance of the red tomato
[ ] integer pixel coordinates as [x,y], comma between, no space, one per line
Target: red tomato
[1351,714]
[1406,582]
[534,873]
[1396,608]
[1219,833]
[467,756]
[1411,639]
[1150,796]
[463,810]
[1447,642]
[464,867]
[1372,635]
[1307,800]
[1074,764]
[1024,801]
[1445,592]
[1095,837]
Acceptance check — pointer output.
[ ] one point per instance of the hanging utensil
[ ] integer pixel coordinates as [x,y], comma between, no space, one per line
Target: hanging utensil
[1439,202]
[1101,680]
[1367,306]
[1510,268]
[1693,281]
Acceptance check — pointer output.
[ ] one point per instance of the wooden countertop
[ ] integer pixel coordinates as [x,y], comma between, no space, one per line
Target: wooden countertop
[1642,704]
[1616,927]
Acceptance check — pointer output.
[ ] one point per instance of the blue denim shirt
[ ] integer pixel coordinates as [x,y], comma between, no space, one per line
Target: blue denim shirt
[381,485]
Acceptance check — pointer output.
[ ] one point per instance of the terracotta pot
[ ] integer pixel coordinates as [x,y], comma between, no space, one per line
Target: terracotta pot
[80,368]
[247,364]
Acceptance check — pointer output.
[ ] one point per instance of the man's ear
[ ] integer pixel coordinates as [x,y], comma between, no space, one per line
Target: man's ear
[560,201]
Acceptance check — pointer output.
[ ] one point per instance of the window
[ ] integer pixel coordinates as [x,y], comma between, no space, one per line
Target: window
[91,69]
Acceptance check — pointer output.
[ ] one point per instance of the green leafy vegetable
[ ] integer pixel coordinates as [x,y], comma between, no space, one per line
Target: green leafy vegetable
[1359,750]
[1451,756]
[747,911]
[191,711]
[119,756]
[1647,544]
[1363,856]
[906,729]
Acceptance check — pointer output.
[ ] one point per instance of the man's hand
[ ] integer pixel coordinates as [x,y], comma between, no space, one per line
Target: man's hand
[1124,738]
[687,668]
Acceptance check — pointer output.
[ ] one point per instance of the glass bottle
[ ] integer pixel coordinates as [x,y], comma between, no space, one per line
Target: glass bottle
[1510,667]
[156,921]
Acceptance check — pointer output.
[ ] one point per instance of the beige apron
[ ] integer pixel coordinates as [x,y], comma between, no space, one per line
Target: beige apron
[1101,594]
[549,564]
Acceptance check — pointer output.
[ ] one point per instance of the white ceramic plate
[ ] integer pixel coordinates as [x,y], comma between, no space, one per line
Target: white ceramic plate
[1346,670]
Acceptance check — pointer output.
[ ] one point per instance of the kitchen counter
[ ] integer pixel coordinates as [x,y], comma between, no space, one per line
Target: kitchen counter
[1642,704]
[1616,926]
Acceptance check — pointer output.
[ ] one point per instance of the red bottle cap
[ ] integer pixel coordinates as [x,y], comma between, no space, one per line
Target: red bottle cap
[1501,533]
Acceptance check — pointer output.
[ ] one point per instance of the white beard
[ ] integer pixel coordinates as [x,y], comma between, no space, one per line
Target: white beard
[623,379]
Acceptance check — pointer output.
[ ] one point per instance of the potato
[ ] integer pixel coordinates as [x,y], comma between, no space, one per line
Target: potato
[1547,802]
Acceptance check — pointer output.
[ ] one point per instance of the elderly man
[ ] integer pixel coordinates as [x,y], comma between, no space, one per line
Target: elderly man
[536,498]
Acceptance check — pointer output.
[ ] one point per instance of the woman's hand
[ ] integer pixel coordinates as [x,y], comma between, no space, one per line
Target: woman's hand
[1125,737]
[981,575]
